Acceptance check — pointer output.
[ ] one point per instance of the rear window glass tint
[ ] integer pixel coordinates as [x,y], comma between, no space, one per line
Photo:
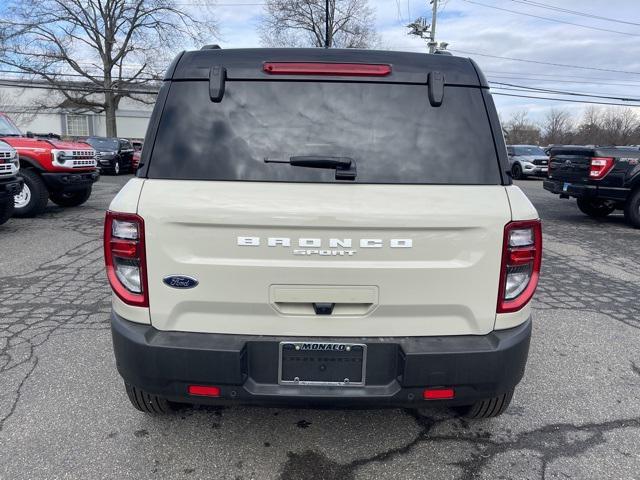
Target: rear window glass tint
[391,132]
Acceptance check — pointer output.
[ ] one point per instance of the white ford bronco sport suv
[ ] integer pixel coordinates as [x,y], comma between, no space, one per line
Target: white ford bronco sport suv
[322,227]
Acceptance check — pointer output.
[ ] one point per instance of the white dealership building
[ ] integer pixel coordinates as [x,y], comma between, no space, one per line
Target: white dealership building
[29,105]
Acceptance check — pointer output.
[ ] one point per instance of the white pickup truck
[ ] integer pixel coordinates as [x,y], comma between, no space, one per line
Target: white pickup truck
[318,227]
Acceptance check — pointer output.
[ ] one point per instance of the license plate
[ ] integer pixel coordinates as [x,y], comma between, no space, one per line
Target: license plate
[566,186]
[320,363]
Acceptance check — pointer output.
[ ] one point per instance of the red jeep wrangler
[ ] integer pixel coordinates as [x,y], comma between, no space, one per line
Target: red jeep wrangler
[51,169]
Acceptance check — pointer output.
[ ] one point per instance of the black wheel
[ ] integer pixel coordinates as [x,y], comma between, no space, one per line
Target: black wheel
[71,199]
[117,169]
[6,208]
[33,198]
[489,408]
[516,172]
[595,208]
[632,209]
[147,402]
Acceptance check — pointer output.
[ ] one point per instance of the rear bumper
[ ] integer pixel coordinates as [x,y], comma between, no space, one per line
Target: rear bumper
[581,190]
[69,181]
[10,186]
[246,367]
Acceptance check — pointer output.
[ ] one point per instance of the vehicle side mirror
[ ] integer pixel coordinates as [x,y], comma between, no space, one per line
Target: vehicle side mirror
[30,134]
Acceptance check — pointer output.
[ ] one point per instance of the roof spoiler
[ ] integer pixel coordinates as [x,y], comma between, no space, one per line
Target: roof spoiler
[436,88]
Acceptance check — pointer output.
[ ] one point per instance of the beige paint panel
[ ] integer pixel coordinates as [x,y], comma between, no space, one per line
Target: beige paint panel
[126,201]
[513,319]
[348,300]
[129,312]
[446,284]
[521,206]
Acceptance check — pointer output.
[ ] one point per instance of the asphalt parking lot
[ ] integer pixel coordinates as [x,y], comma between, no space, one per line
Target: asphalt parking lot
[64,413]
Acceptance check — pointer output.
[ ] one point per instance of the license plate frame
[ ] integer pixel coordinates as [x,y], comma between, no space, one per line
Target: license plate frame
[322,383]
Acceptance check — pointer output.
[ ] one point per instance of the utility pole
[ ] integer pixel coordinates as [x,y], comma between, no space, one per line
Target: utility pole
[327,41]
[432,33]
[427,31]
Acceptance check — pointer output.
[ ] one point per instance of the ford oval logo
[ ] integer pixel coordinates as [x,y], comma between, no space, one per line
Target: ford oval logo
[180,281]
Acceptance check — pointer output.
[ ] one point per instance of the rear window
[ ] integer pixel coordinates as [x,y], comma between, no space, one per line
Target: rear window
[390,131]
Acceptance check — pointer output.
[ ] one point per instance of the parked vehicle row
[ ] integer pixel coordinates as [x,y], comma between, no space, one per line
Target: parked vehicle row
[37,168]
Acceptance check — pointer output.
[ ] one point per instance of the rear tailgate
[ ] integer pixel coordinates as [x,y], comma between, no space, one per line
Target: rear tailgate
[429,264]
[570,165]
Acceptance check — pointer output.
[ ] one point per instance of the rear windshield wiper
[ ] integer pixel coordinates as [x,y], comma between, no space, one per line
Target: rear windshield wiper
[345,167]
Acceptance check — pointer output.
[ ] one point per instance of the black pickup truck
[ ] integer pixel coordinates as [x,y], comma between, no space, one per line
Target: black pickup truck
[602,179]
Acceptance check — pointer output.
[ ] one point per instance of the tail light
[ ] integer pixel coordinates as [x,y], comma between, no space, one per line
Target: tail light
[521,260]
[335,69]
[124,256]
[599,167]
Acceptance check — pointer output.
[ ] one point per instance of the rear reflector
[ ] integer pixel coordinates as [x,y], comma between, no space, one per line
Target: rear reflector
[438,393]
[204,391]
[334,69]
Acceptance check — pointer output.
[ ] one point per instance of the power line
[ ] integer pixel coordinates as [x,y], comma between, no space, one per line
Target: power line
[553,81]
[74,88]
[562,92]
[551,19]
[563,99]
[573,12]
[539,62]
[560,77]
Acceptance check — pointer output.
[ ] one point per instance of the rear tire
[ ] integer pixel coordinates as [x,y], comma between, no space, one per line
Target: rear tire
[489,408]
[33,198]
[595,208]
[516,172]
[6,209]
[632,209]
[147,402]
[71,199]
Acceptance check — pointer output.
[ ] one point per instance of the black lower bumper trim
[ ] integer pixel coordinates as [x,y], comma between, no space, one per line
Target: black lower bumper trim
[69,181]
[246,367]
[10,186]
[581,190]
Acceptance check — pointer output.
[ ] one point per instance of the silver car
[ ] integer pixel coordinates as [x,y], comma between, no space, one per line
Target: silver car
[526,160]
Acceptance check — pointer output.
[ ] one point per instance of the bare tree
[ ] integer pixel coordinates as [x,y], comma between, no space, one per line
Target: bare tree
[520,130]
[557,127]
[301,23]
[617,126]
[115,48]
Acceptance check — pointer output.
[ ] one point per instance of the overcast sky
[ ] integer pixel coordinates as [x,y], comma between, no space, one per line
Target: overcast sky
[470,27]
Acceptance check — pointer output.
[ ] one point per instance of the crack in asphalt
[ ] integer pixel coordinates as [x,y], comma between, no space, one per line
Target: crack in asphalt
[65,294]
[549,441]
